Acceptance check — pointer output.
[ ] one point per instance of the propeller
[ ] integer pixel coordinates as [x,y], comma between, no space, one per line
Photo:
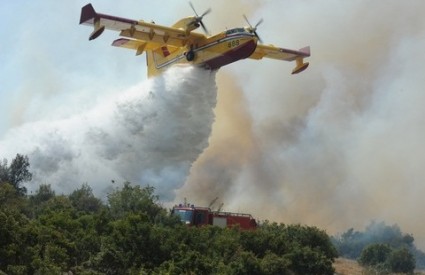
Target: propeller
[252,29]
[198,19]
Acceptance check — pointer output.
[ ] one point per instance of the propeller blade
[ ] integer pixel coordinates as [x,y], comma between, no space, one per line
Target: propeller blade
[193,8]
[259,38]
[206,12]
[204,28]
[198,19]
[254,29]
[259,23]
[247,21]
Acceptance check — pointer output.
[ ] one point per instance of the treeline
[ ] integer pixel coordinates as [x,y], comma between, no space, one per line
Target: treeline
[131,233]
[382,247]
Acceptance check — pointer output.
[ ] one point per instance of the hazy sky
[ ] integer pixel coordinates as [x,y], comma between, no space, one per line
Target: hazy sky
[337,146]
[47,60]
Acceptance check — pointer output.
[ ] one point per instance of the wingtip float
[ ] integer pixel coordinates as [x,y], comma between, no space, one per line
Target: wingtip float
[178,44]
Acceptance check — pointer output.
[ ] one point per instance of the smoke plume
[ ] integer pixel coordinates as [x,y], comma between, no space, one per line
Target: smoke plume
[149,134]
[340,144]
[337,146]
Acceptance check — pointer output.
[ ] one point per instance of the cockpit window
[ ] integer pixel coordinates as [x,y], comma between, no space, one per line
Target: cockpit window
[237,30]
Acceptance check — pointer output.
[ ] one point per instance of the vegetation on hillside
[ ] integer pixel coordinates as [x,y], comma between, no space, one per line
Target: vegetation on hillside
[131,233]
[385,259]
[382,247]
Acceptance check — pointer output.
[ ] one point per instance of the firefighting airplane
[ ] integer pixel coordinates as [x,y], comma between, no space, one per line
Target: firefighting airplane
[166,46]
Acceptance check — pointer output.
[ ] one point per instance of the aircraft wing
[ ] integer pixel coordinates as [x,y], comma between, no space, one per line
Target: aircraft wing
[283,54]
[139,30]
[138,45]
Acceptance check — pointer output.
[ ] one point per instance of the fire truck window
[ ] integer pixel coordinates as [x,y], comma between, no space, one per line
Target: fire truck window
[185,215]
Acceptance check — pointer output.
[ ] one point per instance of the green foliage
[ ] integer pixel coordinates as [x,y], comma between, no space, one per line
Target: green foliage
[83,199]
[12,238]
[401,261]
[351,243]
[10,198]
[375,254]
[131,233]
[134,199]
[16,173]
[43,194]
[303,249]
[384,259]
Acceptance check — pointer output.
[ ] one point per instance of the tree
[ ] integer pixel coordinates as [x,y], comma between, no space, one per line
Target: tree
[10,232]
[84,200]
[383,257]
[10,198]
[4,171]
[401,261]
[43,194]
[375,254]
[304,249]
[135,199]
[17,173]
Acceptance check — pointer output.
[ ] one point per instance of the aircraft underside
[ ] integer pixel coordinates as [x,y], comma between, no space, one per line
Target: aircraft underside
[212,55]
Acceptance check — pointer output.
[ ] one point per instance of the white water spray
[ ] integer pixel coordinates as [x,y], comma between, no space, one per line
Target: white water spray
[149,134]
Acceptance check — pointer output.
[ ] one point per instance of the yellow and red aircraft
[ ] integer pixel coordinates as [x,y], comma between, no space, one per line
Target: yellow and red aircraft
[166,46]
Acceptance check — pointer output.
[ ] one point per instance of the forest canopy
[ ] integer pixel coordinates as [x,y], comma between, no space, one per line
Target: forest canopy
[131,233]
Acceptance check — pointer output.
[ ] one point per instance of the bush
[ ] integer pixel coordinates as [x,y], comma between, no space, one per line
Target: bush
[351,243]
[384,258]
[375,254]
[402,261]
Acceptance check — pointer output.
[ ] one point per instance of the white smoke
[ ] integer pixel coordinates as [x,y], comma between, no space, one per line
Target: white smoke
[149,134]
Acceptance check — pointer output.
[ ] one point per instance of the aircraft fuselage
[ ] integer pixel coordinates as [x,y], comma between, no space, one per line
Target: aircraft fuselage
[212,53]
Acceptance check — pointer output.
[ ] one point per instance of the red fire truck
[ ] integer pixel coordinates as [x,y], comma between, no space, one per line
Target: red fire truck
[199,216]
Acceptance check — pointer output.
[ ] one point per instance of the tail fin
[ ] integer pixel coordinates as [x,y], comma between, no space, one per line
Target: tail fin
[90,17]
[87,13]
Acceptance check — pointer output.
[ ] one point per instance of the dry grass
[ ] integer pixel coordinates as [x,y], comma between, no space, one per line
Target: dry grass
[351,267]
[347,267]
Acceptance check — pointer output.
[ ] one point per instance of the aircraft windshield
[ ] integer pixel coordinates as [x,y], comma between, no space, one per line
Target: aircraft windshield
[237,30]
[185,215]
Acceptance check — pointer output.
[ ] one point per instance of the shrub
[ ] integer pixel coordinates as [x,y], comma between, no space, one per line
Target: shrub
[401,261]
[384,258]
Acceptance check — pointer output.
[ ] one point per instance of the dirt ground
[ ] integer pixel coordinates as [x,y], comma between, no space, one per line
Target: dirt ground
[347,267]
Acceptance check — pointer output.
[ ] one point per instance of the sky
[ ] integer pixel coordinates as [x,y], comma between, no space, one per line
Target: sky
[336,146]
